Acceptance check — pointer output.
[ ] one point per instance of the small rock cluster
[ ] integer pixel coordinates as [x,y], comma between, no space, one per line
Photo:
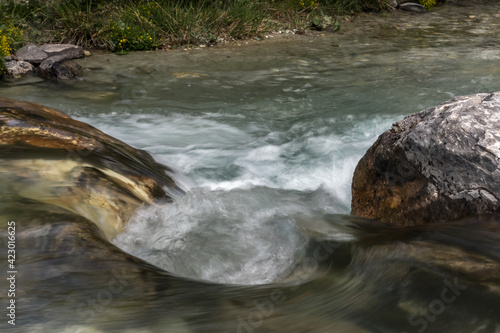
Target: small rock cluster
[49,61]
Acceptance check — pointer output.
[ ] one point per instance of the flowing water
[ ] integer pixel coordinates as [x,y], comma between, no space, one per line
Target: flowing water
[264,138]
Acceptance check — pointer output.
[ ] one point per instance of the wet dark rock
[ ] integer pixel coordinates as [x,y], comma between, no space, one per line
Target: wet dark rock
[31,53]
[67,50]
[436,165]
[58,68]
[18,68]
[412,7]
[98,177]
[67,70]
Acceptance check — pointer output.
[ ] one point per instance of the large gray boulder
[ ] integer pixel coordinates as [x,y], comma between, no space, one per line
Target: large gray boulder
[440,164]
[31,53]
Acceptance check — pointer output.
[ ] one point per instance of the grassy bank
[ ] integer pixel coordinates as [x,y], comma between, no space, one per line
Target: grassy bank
[127,25]
[122,25]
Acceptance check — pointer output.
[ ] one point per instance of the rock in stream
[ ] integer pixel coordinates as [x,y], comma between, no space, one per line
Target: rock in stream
[436,165]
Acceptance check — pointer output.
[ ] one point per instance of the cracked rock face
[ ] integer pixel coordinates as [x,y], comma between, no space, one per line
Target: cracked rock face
[437,165]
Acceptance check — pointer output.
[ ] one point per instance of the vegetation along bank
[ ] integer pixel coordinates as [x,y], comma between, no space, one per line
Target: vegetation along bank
[127,25]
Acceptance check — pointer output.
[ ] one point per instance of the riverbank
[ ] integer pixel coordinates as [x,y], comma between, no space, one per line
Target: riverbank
[143,25]
[20,26]
[373,23]
[123,26]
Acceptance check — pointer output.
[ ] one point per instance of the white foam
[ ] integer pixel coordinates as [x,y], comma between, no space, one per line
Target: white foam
[222,236]
[225,152]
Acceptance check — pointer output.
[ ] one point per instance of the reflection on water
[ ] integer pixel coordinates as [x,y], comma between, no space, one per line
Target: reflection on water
[381,279]
[266,138]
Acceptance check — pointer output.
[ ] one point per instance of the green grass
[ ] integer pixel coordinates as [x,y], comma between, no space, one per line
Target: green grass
[126,25]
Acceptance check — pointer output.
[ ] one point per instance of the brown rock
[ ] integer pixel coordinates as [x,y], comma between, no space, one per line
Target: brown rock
[69,164]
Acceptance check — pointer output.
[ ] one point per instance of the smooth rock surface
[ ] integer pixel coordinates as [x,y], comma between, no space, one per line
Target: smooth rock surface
[436,165]
[67,50]
[18,68]
[31,53]
[60,161]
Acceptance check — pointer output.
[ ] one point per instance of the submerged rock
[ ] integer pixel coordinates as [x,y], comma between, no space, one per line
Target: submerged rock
[436,165]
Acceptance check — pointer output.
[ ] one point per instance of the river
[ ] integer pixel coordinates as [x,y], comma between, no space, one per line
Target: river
[264,139]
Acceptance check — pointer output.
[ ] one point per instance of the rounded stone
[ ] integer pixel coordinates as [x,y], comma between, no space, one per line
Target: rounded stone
[437,165]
